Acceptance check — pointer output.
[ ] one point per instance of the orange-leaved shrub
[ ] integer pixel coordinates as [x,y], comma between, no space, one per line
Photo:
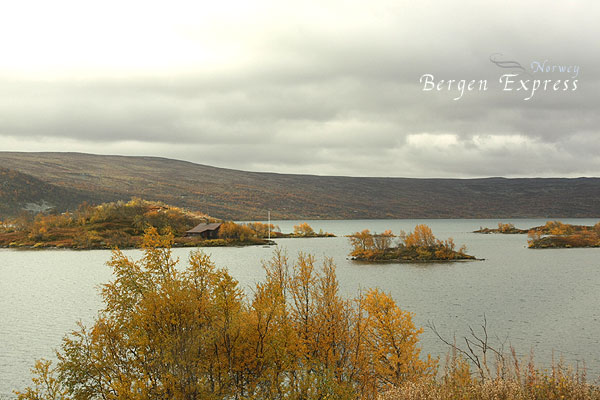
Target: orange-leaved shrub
[168,332]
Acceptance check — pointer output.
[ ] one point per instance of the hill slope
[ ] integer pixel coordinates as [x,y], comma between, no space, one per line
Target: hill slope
[226,193]
[19,192]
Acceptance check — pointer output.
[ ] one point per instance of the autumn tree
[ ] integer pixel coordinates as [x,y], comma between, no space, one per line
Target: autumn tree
[231,230]
[168,332]
[262,230]
[303,229]
[362,241]
[422,236]
[383,241]
[392,341]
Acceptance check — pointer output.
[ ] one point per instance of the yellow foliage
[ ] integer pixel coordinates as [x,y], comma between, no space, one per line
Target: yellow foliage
[557,228]
[422,236]
[233,231]
[303,229]
[361,242]
[392,341]
[242,232]
[174,333]
[262,230]
[419,244]
[46,385]
[532,236]
[505,227]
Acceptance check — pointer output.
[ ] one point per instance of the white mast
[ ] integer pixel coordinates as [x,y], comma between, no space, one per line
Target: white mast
[269,214]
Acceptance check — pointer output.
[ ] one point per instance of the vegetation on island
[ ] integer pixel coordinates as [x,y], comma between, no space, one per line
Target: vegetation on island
[558,235]
[231,230]
[507,229]
[238,234]
[549,228]
[417,246]
[304,230]
[168,332]
[120,225]
[553,234]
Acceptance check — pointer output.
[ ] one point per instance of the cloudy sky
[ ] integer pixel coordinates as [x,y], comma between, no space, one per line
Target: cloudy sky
[324,87]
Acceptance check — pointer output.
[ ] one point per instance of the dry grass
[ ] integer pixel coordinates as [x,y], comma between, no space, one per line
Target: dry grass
[511,381]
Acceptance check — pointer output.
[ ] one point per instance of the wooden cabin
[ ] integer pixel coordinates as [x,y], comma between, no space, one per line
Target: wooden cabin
[206,231]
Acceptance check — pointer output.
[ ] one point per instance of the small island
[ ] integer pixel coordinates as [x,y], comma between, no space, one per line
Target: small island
[556,235]
[506,229]
[553,234]
[417,246]
[122,225]
[549,228]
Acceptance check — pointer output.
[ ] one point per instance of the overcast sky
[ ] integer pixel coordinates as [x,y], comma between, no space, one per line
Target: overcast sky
[326,87]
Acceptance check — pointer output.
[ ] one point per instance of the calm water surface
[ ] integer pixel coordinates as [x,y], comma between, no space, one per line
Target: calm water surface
[540,300]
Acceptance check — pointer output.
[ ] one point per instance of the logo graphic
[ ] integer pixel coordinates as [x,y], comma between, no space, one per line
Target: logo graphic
[507,64]
[544,76]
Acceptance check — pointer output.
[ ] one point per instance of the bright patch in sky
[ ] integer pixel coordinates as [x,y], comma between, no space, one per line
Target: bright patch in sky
[321,87]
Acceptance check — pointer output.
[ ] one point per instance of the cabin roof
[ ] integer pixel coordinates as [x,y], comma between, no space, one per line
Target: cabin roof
[205,227]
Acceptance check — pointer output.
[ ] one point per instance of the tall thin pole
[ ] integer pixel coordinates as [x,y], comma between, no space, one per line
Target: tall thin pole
[269,214]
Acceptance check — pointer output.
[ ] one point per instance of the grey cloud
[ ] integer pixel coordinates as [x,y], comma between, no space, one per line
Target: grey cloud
[315,99]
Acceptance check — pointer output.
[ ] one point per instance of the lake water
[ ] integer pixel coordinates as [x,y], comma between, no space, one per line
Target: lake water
[540,300]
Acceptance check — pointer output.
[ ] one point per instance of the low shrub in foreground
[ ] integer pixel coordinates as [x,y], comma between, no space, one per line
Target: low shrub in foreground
[537,385]
[504,378]
[173,333]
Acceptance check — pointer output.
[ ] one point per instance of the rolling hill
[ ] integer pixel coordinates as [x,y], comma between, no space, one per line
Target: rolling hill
[23,192]
[241,195]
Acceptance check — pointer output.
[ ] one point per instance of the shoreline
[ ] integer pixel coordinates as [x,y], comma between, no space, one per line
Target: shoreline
[403,261]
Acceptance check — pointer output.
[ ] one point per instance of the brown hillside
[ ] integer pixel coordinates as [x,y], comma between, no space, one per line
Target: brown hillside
[236,194]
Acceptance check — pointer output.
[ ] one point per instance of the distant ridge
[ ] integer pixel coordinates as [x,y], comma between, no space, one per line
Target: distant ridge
[242,195]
